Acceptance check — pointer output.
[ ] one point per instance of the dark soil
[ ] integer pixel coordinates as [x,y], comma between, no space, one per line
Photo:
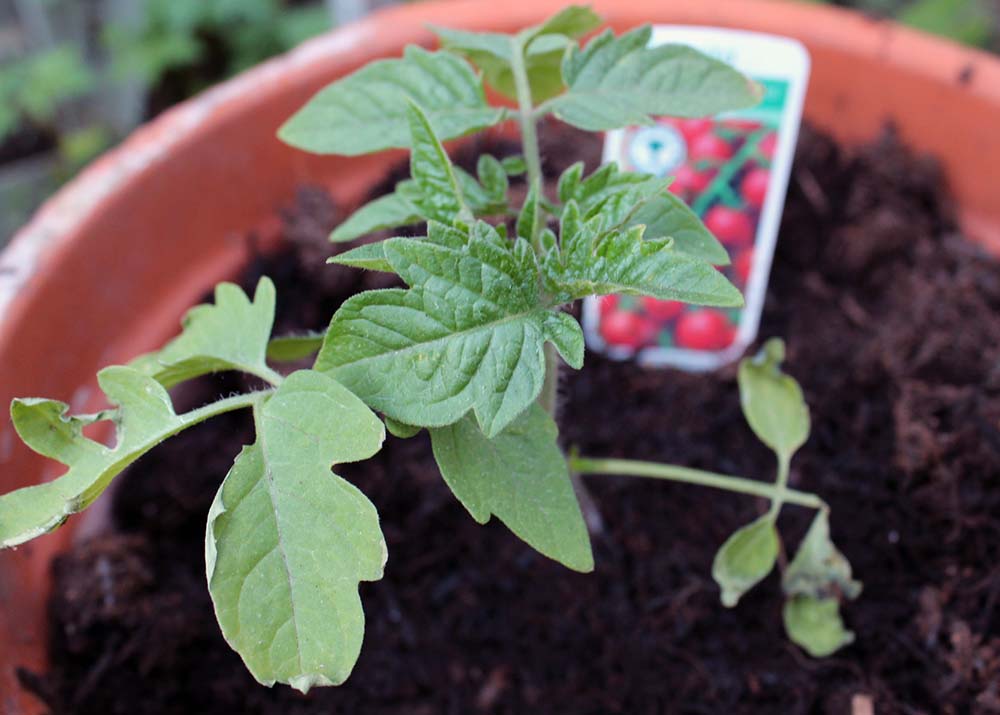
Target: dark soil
[892,326]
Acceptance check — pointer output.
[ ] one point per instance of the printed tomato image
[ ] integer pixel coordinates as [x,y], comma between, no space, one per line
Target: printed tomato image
[767,145]
[688,181]
[711,147]
[753,187]
[704,329]
[733,228]
[627,329]
[742,265]
[662,309]
[694,128]
[723,173]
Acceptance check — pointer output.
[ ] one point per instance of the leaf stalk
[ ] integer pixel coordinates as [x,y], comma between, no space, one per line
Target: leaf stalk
[777,493]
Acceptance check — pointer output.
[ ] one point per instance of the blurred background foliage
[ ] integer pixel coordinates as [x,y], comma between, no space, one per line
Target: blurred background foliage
[77,75]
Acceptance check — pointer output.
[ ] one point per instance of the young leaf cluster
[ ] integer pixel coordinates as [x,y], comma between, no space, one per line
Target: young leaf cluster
[465,349]
[818,576]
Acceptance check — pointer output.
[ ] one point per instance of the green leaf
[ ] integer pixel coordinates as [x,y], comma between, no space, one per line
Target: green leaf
[593,262]
[574,21]
[619,81]
[289,348]
[288,541]
[437,196]
[529,218]
[144,418]
[232,334]
[468,334]
[667,216]
[407,205]
[493,178]
[389,211]
[482,201]
[819,569]
[772,401]
[367,111]
[968,21]
[369,256]
[815,625]
[401,429]
[745,559]
[520,476]
[613,194]
[514,165]
[542,48]
[569,182]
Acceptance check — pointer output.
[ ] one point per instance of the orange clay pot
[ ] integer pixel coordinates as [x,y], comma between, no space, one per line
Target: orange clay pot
[107,267]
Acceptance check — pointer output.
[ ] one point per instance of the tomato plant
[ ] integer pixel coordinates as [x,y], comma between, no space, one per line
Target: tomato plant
[469,347]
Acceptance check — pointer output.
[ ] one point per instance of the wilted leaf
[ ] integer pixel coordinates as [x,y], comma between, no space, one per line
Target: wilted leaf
[772,401]
[746,559]
[815,625]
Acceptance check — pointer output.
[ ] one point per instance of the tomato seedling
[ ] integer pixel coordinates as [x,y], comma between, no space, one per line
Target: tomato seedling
[470,349]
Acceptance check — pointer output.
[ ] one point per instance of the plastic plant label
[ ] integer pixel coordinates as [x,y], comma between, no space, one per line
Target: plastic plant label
[732,170]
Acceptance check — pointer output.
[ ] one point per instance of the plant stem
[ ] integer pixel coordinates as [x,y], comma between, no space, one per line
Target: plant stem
[780,486]
[529,132]
[268,375]
[236,402]
[635,468]
[549,397]
[532,158]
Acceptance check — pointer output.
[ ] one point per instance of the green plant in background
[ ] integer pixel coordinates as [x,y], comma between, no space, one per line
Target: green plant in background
[34,89]
[972,22]
[470,349]
[225,35]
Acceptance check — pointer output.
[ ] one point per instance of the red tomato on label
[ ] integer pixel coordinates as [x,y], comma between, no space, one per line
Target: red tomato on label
[704,329]
[754,187]
[694,128]
[687,180]
[662,309]
[709,146]
[742,266]
[608,304]
[627,329]
[741,125]
[731,226]
[767,145]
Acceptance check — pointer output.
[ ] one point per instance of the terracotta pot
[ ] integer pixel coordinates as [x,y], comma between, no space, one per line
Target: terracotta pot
[107,267]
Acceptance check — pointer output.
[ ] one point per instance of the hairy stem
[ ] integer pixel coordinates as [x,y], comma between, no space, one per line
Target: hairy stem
[236,402]
[549,397]
[529,133]
[777,493]
[533,160]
